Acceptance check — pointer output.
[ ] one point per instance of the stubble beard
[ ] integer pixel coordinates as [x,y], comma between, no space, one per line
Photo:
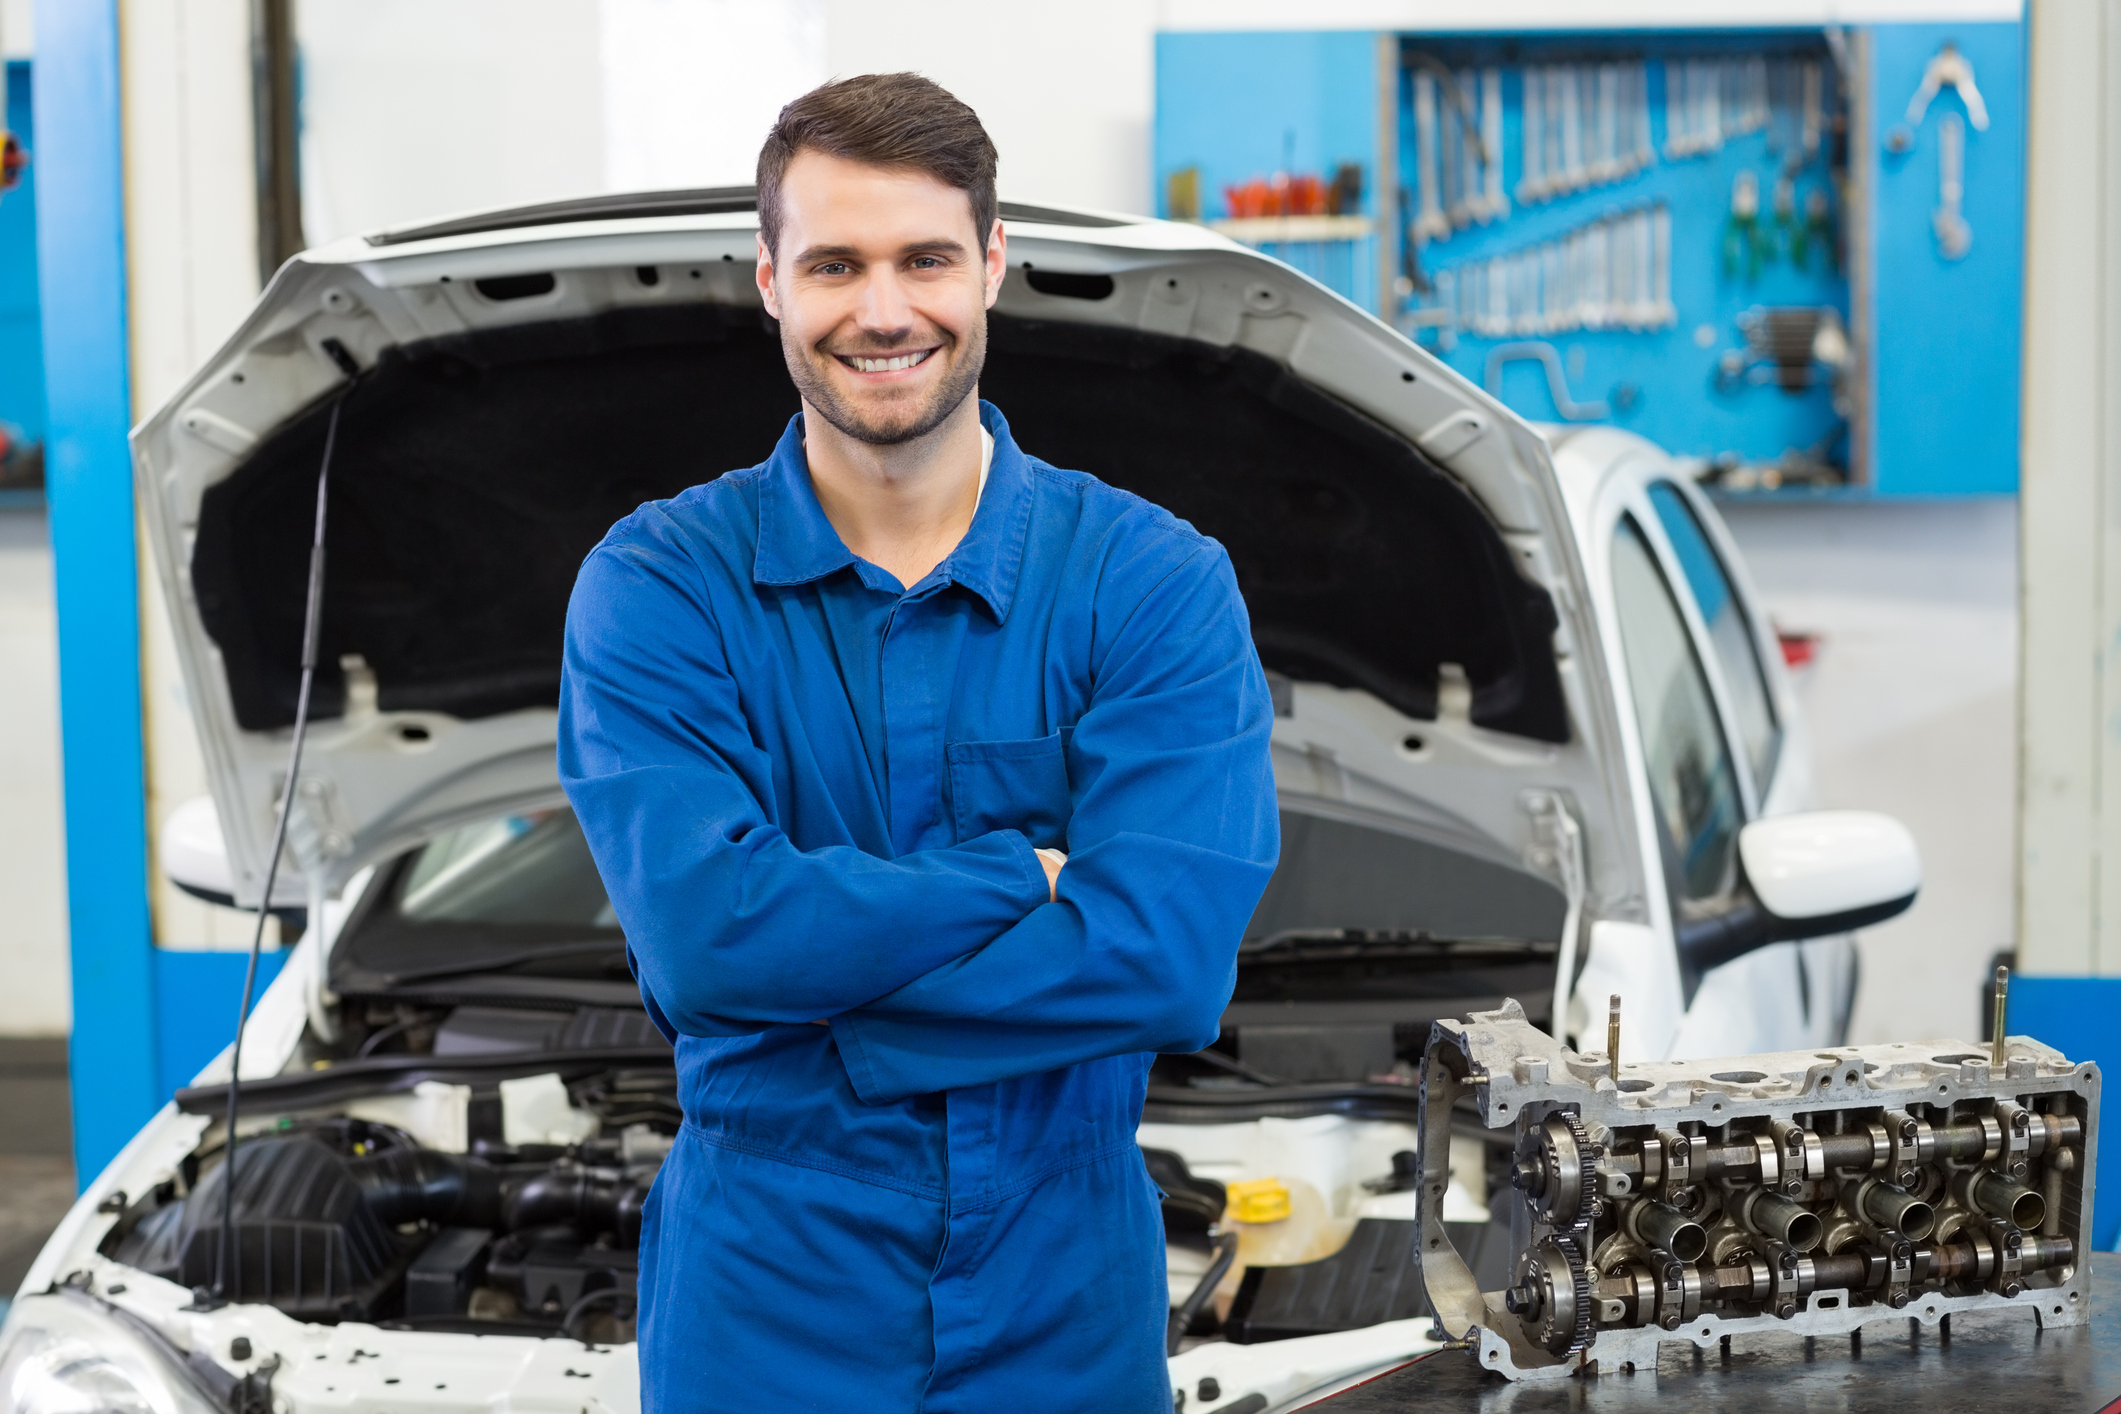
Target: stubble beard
[893,430]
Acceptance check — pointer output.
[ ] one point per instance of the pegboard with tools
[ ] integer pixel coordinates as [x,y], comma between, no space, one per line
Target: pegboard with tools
[1645,230]
[1793,256]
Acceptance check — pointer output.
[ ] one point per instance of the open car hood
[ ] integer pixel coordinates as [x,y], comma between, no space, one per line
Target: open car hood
[514,383]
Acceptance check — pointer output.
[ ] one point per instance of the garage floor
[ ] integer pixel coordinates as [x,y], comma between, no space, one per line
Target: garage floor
[36,1152]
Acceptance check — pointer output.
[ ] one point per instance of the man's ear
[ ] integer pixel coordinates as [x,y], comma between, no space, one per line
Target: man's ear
[764,275]
[997,262]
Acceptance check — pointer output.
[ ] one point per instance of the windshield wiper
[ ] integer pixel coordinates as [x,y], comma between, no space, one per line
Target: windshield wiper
[1293,944]
[506,961]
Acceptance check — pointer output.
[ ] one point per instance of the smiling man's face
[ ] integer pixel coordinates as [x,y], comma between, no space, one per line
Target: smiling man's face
[881,286]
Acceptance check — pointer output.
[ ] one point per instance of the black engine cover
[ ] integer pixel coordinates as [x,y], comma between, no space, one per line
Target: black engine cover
[307,1240]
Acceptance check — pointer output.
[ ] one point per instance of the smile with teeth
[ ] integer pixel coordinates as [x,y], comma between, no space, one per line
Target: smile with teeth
[864,363]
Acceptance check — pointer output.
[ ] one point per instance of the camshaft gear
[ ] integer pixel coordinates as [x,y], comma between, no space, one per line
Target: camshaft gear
[1552,1297]
[1556,1171]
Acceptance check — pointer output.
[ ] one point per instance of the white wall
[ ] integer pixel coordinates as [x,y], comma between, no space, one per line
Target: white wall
[33,961]
[691,86]
[2070,892]
[18,28]
[192,273]
[36,1000]
[1913,706]
[1068,91]
[412,108]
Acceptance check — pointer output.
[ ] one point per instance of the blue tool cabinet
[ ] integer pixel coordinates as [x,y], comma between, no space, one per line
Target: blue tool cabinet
[1739,244]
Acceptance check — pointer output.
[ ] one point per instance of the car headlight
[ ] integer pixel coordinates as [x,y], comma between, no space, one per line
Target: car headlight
[60,1355]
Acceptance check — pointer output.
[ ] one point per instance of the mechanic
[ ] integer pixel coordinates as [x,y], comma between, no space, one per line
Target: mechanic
[930,785]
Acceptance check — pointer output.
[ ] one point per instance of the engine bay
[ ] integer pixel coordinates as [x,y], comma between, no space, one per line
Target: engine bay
[473,1168]
[483,1168]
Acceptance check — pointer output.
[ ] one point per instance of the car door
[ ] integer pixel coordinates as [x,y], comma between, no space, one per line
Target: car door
[1765,720]
[1709,732]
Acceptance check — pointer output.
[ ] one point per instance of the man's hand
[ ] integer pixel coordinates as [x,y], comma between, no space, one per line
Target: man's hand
[1054,861]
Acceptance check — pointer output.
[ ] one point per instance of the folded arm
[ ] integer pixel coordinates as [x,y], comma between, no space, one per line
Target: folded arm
[731,926]
[1173,838]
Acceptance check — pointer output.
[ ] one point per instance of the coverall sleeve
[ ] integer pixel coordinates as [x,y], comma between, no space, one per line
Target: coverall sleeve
[729,926]
[1173,838]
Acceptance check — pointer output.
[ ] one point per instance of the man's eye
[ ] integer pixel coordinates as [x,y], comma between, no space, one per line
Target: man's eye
[927,262]
[833,267]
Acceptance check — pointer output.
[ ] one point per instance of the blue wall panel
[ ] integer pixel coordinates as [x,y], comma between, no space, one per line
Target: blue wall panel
[195,1008]
[21,337]
[1948,332]
[1247,105]
[1239,106]
[88,471]
[2081,1017]
[1942,391]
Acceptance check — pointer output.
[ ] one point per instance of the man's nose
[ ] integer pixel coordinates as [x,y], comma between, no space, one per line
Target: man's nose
[884,310]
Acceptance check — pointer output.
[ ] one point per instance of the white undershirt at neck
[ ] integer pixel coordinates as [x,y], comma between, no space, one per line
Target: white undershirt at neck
[986,460]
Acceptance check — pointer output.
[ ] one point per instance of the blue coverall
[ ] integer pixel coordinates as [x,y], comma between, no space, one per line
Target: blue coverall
[812,795]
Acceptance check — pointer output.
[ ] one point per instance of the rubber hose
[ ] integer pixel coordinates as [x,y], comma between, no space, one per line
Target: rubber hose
[1182,1318]
[588,1201]
[422,1185]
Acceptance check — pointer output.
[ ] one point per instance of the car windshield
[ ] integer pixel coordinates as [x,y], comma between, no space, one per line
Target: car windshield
[532,868]
[521,893]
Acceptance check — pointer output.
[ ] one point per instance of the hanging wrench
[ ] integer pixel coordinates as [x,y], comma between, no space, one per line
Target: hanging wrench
[1550,310]
[1608,121]
[1716,75]
[1661,240]
[1466,192]
[1557,166]
[1644,153]
[1451,157]
[1636,122]
[1491,142]
[1624,119]
[1675,109]
[1621,309]
[1430,224]
[1533,185]
[1954,236]
[1814,121]
[1647,315]
[1571,126]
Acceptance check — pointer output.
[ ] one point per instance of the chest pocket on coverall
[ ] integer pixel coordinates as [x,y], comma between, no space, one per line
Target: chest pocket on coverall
[1012,785]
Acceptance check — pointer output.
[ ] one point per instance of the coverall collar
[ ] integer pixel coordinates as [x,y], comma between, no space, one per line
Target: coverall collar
[797,544]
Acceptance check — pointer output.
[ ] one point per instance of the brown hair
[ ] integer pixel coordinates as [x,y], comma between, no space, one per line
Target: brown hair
[885,120]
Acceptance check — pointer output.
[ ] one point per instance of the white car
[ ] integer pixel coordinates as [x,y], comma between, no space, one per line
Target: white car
[1530,726]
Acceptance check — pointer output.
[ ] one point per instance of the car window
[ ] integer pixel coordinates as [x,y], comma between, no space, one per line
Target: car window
[522,869]
[1693,786]
[1730,630]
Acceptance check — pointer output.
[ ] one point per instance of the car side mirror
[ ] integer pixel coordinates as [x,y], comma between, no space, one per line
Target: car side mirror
[195,858]
[1808,876]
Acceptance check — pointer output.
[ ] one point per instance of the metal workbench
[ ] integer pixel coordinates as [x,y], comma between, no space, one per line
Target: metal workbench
[1986,1362]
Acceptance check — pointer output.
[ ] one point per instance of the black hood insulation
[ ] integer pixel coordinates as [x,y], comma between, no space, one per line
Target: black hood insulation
[474,472]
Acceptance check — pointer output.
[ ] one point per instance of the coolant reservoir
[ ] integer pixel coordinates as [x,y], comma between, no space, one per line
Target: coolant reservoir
[1280,1222]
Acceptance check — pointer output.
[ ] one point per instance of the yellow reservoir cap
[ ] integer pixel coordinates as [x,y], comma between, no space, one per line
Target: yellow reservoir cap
[1259,1200]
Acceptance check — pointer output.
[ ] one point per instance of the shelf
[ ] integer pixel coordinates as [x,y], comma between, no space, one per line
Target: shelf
[1281,230]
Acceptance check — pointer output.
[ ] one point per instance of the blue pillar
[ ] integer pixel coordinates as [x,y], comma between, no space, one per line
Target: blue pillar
[88,472]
